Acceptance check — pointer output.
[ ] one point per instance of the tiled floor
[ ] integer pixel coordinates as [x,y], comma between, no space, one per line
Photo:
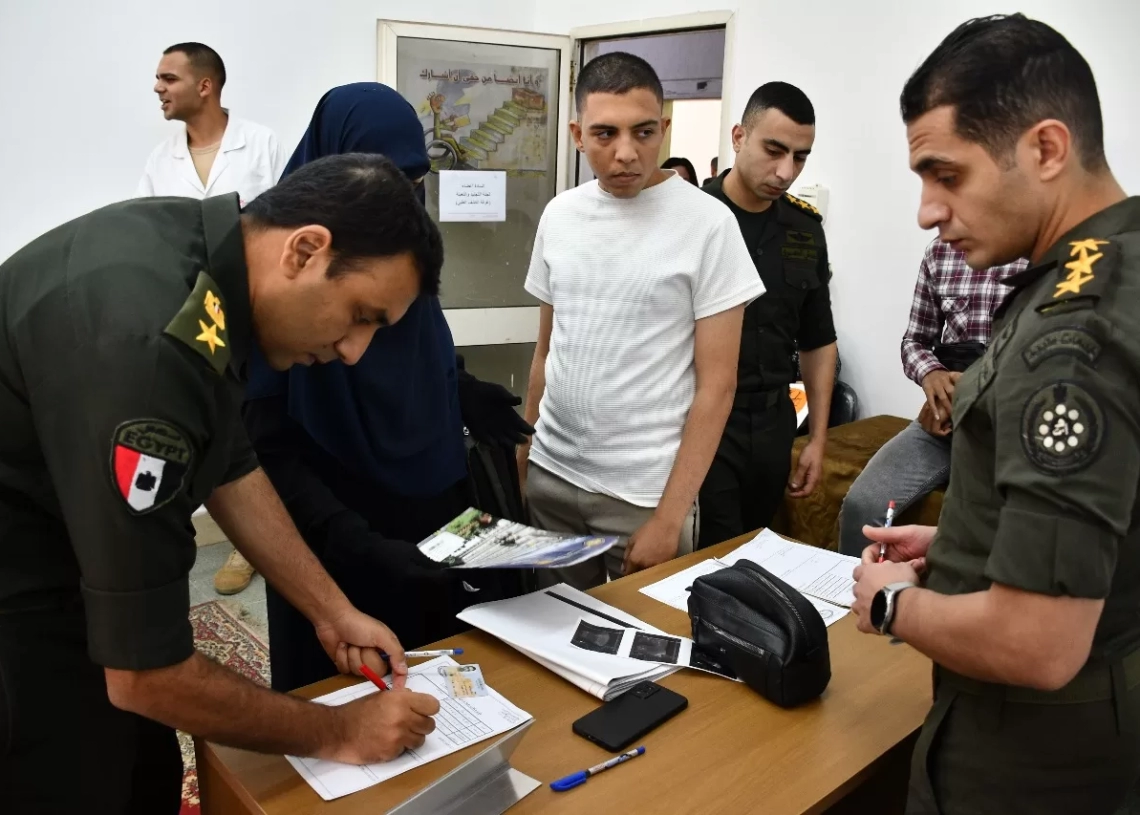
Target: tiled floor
[251,601]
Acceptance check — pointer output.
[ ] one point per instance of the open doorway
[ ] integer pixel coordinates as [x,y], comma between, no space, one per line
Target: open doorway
[690,64]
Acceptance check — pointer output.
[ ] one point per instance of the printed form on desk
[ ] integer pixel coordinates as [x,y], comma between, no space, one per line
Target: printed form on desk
[820,575]
[459,723]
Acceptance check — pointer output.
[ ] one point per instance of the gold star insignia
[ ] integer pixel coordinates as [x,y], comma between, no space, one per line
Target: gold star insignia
[214,309]
[1085,246]
[1081,269]
[210,336]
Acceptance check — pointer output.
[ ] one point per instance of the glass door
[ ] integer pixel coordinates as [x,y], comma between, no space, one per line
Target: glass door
[494,102]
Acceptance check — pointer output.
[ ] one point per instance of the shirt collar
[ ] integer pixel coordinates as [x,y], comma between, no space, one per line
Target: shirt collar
[225,252]
[1123,216]
[779,207]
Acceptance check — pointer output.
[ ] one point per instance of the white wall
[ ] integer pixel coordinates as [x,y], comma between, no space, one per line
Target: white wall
[696,132]
[79,117]
[852,60]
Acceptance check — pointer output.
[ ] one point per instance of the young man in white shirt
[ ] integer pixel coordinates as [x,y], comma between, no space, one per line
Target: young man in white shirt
[215,153]
[642,280]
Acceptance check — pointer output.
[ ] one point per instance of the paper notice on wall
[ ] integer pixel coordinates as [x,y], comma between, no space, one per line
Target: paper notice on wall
[799,398]
[472,195]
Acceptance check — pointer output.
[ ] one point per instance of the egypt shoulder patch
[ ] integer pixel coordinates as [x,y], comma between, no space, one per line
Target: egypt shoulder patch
[201,323]
[149,462]
[804,206]
[1085,274]
[1062,428]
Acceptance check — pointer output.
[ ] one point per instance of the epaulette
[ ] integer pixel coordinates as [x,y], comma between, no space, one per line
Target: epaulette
[805,206]
[1081,280]
[201,323]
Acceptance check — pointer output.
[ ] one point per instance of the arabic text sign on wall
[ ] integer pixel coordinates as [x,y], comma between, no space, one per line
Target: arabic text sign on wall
[472,195]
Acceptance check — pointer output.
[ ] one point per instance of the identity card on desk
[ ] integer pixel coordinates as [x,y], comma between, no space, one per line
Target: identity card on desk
[459,723]
[822,576]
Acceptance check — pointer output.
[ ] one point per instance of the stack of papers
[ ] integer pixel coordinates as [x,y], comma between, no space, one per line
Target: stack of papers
[542,626]
[822,576]
[459,723]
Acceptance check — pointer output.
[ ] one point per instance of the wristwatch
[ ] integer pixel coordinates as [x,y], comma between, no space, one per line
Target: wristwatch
[884,604]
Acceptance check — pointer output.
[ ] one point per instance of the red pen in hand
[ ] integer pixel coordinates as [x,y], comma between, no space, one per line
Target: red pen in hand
[370,675]
[887,525]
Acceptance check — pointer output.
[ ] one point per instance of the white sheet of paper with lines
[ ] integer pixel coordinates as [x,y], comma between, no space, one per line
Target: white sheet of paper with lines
[459,723]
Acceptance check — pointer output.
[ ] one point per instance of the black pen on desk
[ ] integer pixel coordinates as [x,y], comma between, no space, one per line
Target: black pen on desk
[887,525]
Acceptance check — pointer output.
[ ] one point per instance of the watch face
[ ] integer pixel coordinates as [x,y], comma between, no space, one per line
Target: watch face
[878,609]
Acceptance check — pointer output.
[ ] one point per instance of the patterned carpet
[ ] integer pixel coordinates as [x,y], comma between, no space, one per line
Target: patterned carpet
[220,634]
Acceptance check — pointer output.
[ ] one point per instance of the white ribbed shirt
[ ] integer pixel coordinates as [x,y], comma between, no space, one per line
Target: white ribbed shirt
[628,279]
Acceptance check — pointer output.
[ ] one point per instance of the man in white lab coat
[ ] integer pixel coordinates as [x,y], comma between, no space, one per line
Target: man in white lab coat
[215,153]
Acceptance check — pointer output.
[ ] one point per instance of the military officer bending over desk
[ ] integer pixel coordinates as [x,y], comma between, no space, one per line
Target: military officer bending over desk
[124,339]
[1031,606]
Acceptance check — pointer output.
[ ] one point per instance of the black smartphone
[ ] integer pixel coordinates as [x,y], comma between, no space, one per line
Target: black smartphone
[622,721]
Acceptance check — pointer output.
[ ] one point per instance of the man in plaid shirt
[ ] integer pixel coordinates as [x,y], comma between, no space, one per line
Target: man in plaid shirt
[950,320]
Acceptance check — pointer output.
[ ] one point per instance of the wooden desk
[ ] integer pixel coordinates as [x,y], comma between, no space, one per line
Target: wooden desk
[730,751]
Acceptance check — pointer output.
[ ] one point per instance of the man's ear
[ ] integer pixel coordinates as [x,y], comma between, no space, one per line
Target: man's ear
[1051,147]
[738,136]
[303,245]
[576,134]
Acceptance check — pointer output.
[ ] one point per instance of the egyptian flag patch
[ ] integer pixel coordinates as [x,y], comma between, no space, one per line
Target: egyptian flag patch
[149,462]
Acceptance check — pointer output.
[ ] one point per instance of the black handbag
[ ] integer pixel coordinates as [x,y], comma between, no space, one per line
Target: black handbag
[764,630]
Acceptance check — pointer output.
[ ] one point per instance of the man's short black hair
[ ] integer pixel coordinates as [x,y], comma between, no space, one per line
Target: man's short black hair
[619,73]
[788,99]
[1002,75]
[203,59]
[367,204]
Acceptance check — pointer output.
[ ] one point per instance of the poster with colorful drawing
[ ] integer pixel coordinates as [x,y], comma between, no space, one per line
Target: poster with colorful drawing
[482,117]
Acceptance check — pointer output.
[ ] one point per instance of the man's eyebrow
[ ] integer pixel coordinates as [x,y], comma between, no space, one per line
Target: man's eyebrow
[928,163]
[603,126]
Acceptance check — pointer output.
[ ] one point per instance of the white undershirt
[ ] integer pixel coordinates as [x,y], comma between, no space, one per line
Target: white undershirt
[628,279]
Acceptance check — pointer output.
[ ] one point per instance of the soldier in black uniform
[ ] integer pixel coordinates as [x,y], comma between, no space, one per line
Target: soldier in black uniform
[124,339]
[750,473]
[1030,608]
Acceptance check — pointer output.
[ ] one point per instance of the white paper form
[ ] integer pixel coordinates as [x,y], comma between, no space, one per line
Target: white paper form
[674,591]
[459,723]
[823,577]
[818,573]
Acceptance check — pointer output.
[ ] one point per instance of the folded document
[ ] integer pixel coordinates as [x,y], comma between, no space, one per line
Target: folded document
[542,625]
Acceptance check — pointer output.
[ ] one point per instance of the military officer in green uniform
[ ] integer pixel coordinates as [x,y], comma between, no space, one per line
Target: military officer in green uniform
[750,473]
[123,339]
[1030,606]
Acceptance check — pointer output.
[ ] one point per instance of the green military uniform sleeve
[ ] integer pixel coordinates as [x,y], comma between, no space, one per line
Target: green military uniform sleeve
[1067,459]
[123,423]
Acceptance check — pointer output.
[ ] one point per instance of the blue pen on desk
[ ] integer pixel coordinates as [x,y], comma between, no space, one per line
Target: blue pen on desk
[887,525]
[578,778]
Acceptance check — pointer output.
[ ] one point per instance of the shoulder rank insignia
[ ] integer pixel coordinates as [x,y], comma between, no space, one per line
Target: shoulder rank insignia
[804,206]
[201,323]
[1084,274]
